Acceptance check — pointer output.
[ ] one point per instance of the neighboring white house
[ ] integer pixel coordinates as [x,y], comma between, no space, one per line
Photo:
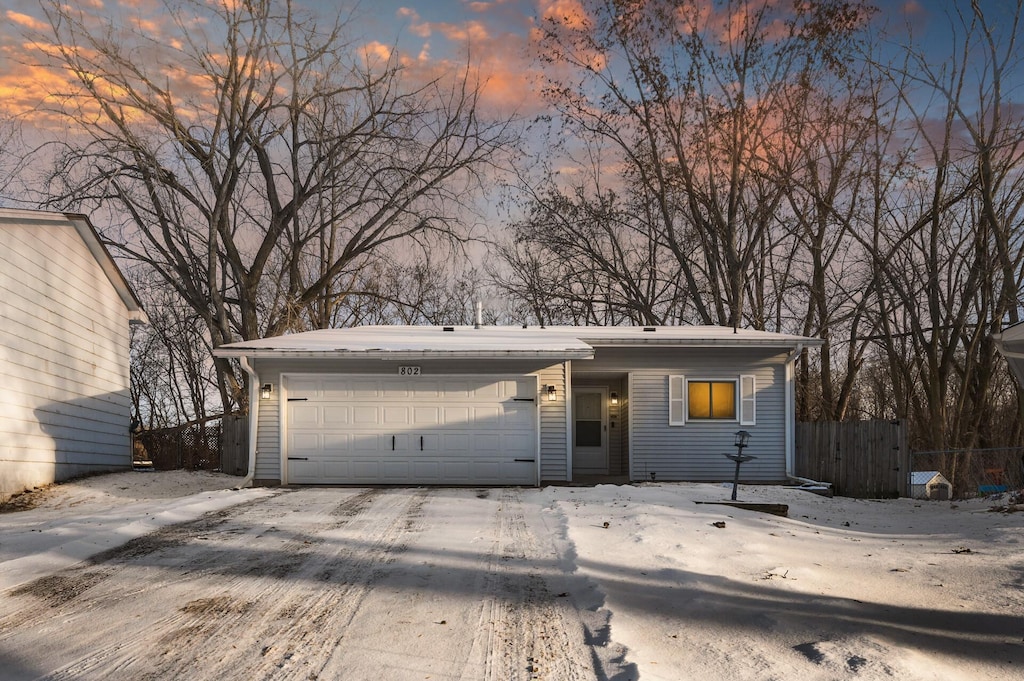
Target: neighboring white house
[930,485]
[509,405]
[65,311]
[1010,344]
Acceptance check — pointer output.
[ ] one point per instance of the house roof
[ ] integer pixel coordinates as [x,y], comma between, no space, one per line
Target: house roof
[925,477]
[92,241]
[557,342]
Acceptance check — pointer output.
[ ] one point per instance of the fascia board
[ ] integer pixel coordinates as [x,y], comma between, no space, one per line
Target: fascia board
[403,355]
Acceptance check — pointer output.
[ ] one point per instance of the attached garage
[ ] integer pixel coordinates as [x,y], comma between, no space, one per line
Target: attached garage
[479,405]
[440,430]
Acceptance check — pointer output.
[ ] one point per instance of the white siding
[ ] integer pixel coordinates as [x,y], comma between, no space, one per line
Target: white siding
[65,406]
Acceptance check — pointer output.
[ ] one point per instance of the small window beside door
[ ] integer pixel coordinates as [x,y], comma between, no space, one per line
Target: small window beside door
[705,399]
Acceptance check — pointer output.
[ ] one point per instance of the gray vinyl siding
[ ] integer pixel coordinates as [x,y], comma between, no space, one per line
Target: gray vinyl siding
[268,435]
[695,451]
[268,438]
[553,449]
[65,407]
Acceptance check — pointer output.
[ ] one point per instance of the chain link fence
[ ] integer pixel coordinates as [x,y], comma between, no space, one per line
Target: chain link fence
[976,472]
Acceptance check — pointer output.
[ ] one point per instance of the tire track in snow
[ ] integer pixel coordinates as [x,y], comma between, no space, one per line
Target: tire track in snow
[195,640]
[528,632]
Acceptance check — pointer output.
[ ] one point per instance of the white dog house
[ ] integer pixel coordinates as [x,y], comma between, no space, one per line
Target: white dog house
[930,485]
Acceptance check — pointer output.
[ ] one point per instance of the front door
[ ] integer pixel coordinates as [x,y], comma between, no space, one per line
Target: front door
[590,431]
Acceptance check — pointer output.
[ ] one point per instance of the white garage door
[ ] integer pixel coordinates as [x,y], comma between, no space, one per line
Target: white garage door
[349,429]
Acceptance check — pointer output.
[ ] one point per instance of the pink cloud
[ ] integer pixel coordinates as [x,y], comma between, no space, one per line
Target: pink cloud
[416,24]
[26,21]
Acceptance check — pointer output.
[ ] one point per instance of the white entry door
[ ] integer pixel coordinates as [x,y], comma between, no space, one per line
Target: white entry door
[590,431]
[437,430]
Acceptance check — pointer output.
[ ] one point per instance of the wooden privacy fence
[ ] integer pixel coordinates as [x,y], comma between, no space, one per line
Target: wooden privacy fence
[864,459]
[217,443]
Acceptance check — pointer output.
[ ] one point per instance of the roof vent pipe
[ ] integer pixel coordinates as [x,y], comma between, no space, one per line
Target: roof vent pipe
[479,315]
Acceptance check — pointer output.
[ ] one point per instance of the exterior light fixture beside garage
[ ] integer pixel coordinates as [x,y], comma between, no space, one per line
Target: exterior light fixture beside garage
[551,393]
[266,391]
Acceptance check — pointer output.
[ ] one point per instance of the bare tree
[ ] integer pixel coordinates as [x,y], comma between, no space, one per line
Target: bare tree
[685,98]
[258,160]
[949,262]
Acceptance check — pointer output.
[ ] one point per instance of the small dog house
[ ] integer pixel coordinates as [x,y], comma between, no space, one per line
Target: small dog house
[930,485]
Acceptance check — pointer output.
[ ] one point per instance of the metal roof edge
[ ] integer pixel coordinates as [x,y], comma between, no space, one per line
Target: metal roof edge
[704,342]
[267,353]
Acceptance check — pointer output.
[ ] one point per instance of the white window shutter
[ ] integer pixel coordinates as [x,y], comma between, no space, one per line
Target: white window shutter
[677,400]
[748,391]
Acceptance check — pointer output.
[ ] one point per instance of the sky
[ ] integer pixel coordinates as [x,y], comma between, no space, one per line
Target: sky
[428,34]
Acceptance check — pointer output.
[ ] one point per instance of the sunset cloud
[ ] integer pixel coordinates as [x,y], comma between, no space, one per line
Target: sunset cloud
[569,13]
[416,24]
[25,21]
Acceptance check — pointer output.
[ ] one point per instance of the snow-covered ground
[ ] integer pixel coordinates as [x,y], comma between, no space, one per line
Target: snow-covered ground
[610,582]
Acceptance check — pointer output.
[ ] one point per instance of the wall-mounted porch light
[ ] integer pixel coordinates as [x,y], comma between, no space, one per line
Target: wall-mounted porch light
[551,393]
[266,391]
[614,399]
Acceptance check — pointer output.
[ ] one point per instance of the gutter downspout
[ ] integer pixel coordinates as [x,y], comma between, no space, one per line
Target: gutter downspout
[254,411]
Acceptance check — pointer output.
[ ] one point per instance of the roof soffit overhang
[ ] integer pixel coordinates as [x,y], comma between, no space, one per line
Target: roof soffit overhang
[401,355]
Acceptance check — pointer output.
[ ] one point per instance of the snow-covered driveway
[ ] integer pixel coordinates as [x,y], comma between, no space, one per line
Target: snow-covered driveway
[658,582]
[320,584]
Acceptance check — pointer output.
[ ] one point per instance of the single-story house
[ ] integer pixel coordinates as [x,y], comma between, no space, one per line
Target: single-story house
[930,485]
[66,308]
[1010,344]
[477,405]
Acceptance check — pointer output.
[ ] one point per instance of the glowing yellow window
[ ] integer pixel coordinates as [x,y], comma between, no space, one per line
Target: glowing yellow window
[711,399]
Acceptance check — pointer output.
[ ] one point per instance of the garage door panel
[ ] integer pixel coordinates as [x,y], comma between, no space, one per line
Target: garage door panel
[395,392]
[395,471]
[422,389]
[517,415]
[456,442]
[303,388]
[336,470]
[365,430]
[456,416]
[302,415]
[330,389]
[305,471]
[363,388]
[426,416]
[489,392]
[369,442]
[427,471]
[366,415]
[396,415]
[336,415]
[517,446]
[305,443]
[487,417]
[334,441]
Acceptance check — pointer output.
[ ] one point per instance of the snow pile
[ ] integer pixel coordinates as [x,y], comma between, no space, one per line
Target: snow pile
[76,520]
[840,588]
